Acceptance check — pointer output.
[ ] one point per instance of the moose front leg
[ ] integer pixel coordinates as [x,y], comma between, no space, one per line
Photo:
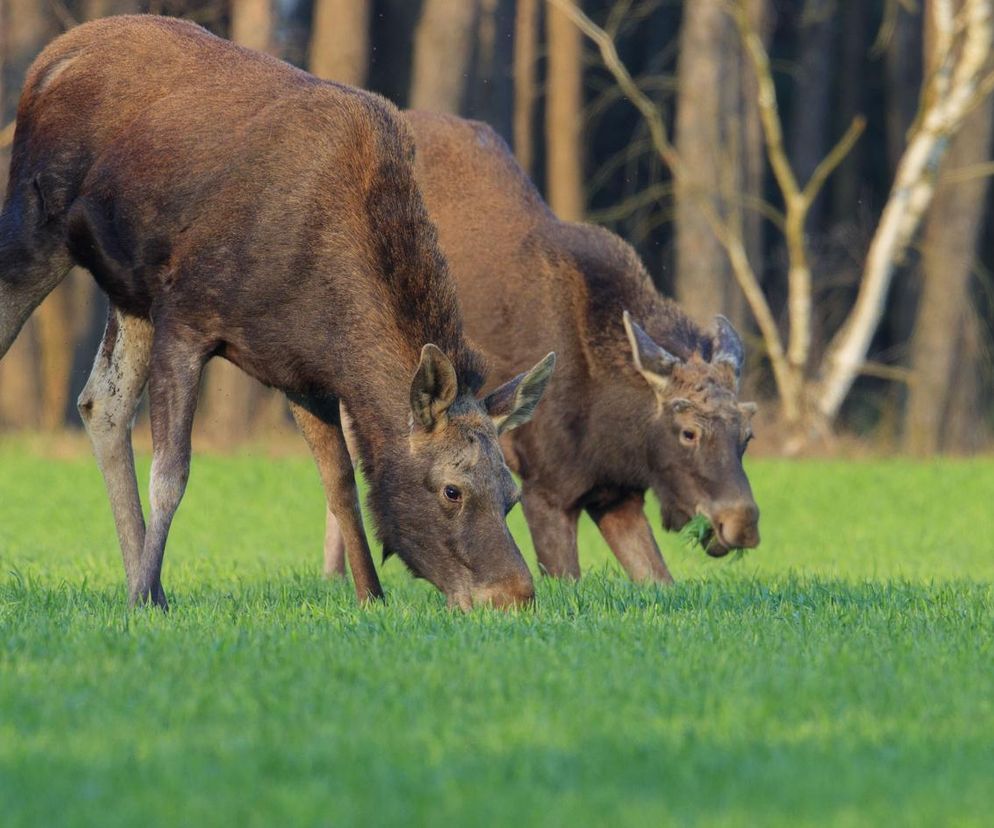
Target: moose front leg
[176,367]
[627,531]
[107,407]
[553,533]
[319,421]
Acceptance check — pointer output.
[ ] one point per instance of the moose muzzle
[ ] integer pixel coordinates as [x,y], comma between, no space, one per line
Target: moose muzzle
[518,590]
[736,526]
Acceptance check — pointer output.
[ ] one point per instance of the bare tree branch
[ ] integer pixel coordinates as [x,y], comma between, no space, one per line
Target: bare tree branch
[835,157]
[633,203]
[797,202]
[954,88]
[609,54]
[730,241]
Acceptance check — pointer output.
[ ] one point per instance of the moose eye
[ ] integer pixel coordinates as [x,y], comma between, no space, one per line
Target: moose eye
[688,435]
[452,493]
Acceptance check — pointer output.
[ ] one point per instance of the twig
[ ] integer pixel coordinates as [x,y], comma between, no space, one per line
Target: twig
[641,101]
[893,373]
[971,172]
[623,209]
[836,156]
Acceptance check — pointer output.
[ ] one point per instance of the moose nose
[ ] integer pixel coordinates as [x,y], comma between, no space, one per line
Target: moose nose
[737,524]
[515,591]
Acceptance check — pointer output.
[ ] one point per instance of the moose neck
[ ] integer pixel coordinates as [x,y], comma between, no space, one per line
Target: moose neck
[400,298]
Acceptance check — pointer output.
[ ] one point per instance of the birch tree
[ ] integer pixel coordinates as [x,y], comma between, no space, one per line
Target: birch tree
[811,395]
[949,248]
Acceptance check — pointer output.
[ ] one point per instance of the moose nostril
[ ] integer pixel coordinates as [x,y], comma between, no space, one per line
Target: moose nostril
[522,592]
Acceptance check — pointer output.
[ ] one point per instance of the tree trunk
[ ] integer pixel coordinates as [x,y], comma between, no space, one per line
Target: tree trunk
[252,24]
[491,88]
[228,400]
[442,47]
[949,250]
[962,43]
[811,116]
[27,27]
[525,57]
[965,429]
[753,161]
[92,9]
[564,117]
[56,345]
[903,85]
[708,126]
[904,81]
[849,180]
[340,40]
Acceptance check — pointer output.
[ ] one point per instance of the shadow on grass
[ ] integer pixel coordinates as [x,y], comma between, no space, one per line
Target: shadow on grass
[323,776]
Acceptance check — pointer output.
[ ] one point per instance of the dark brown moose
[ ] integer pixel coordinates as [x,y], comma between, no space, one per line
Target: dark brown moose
[642,399]
[231,205]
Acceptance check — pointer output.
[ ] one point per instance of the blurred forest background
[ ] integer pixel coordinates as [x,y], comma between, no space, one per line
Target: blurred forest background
[866,299]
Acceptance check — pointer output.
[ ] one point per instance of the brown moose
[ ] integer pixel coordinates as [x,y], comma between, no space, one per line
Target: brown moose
[231,205]
[642,399]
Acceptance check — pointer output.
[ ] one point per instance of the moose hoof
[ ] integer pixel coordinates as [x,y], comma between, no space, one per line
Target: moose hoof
[149,596]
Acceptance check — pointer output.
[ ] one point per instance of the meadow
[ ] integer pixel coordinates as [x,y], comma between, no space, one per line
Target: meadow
[841,674]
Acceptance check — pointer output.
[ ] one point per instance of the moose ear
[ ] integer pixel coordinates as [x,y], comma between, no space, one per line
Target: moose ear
[727,346]
[651,361]
[434,388]
[513,404]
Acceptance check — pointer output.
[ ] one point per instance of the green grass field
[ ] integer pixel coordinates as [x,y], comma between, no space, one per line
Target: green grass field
[842,674]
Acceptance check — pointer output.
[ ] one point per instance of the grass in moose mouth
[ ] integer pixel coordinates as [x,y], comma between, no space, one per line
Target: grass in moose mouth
[698,535]
[842,673]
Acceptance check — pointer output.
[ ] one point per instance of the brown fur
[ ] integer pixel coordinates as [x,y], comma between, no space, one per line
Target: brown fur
[529,283]
[248,210]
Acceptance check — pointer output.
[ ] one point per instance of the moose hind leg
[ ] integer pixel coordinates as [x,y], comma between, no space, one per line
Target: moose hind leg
[32,262]
[107,406]
[319,421]
[176,367]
